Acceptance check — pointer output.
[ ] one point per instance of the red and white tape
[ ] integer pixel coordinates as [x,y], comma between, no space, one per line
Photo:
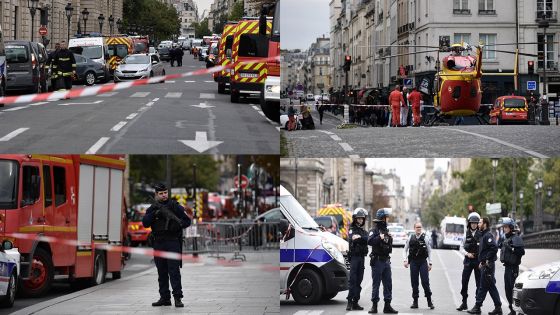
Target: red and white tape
[353,105]
[100,89]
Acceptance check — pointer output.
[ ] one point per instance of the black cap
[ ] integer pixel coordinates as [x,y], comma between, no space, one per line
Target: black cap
[160,187]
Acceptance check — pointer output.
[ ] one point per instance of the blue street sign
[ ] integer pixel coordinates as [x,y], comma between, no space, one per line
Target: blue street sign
[531,85]
[407,82]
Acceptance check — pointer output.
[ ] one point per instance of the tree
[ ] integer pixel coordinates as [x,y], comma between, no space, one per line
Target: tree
[151,13]
[201,29]
[219,24]
[237,11]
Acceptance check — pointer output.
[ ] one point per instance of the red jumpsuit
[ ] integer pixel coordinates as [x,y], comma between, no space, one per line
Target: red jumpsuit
[395,100]
[414,98]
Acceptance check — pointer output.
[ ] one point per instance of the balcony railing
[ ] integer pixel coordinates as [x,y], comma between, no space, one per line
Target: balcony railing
[462,11]
[487,12]
[551,16]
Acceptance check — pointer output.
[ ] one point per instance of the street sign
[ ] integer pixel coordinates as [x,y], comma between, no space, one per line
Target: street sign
[244,181]
[43,31]
[407,82]
[493,208]
[531,85]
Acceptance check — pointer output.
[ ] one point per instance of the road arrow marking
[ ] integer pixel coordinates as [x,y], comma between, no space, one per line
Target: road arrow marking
[203,105]
[201,143]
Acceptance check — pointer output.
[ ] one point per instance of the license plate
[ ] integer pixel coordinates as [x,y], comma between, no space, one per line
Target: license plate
[248,75]
[510,114]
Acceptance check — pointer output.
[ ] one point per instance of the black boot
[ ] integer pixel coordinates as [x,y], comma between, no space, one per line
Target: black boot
[414,303]
[511,311]
[162,302]
[178,302]
[373,309]
[387,309]
[356,306]
[497,311]
[463,306]
[349,306]
[430,304]
[475,310]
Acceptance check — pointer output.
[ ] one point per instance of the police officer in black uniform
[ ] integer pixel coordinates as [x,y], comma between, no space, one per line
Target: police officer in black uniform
[512,249]
[64,64]
[418,254]
[469,249]
[486,257]
[167,219]
[358,249]
[381,244]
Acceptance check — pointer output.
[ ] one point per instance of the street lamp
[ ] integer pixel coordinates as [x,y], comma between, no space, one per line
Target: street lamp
[538,205]
[101,20]
[85,14]
[544,24]
[69,9]
[549,191]
[111,24]
[119,25]
[494,166]
[32,5]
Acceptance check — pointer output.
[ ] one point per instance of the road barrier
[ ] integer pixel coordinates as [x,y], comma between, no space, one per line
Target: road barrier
[545,239]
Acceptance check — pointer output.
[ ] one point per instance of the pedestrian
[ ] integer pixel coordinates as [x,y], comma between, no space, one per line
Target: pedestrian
[486,263]
[469,249]
[64,64]
[414,98]
[292,124]
[470,208]
[511,251]
[434,238]
[179,54]
[418,254]
[357,251]
[172,55]
[167,219]
[381,244]
[404,107]
[321,110]
[395,100]
[50,60]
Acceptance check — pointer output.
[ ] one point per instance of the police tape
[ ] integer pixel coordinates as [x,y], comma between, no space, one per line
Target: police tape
[111,87]
[353,105]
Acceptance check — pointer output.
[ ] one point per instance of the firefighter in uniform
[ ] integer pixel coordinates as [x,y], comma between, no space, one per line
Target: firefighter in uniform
[486,259]
[54,76]
[64,64]
[358,249]
[469,249]
[381,244]
[395,100]
[511,250]
[418,254]
[167,219]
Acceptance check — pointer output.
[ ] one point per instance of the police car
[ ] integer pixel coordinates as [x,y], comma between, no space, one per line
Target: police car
[312,263]
[9,268]
[537,290]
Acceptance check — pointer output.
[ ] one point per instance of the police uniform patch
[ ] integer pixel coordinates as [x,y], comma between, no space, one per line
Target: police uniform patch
[350,232]
[370,233]
[489,239]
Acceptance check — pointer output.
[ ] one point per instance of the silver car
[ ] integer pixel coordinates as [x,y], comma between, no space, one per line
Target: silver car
[139,66]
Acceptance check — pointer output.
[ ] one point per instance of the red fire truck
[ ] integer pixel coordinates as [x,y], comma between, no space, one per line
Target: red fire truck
[69,197]
[270,93]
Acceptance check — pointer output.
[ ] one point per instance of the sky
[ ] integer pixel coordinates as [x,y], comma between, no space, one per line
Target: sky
[409,170]
[302,22]
[203,5]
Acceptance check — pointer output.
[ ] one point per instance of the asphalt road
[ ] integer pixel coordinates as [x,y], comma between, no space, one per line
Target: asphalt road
[445,283]
[423,142]
[185,115]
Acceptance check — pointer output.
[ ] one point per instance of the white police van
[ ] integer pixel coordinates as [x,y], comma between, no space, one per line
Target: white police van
[9,269]
[312,263]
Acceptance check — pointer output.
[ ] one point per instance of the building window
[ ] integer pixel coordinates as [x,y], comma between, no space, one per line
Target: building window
[549,51]
[459,38]
[488,39]
[544,9]
[461,7]
[486,7]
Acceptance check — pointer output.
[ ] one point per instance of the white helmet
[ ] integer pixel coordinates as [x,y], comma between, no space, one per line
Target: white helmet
[473,217]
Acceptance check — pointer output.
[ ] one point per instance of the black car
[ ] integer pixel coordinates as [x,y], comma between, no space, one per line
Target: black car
[25,67]
[164,54]
[88,71]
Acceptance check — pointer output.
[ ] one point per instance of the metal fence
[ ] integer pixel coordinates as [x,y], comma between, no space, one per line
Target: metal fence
[545,239]
[234,238]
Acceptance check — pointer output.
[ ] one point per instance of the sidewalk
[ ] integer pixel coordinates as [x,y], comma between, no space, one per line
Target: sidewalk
[209,287]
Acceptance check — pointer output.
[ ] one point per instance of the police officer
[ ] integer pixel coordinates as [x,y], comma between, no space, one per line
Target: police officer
[64,64]
[418,254]
[486,257]
[469,249]
[381,244]
[167,220]
[358,249]
[512,249]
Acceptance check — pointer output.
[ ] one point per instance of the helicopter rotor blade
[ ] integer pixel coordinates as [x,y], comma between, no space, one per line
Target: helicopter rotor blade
[423,46]
[412,53]
[513,44]
[512,52]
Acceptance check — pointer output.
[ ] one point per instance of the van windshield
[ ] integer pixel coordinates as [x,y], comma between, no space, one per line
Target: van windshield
[16,54]
[91,52]
[514,103]
[8,184]
[297,212]
[253,45]
[454,228]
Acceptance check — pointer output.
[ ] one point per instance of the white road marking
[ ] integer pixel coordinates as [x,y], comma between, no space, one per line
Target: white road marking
[108,94]
[140,94]
[311,312]
[278,128]
[13,134]
[13,109]
[149,104]
[169,81]
[208,95]
[354,156]
[94,148]
[511,145]
[155,99]
[190,81]
[118,126]
[201,143]
[336,138]
[346,146]
[327,132]
[255,107]
[174,95]
[38,103]
[209,81]
[451,287]
[85,103]
[143,109]
[131,116]
[203,105]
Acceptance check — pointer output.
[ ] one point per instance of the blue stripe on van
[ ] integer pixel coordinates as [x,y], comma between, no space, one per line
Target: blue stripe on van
[301,255]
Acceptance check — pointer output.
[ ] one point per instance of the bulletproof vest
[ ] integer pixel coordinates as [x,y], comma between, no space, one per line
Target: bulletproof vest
[472,241]
[358,248]
[163,227]
[418,249]
[385,247]
[507,255]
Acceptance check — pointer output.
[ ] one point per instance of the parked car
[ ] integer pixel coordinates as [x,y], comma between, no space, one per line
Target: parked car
[9,264]
[329,223]
[23,67]
[2,67]
[530,294]
[164,53]
[45,74]
[139,66]
[88,71]
[203,54]
[399,235]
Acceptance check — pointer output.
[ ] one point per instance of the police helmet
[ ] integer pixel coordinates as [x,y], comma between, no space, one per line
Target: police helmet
[474,217]
[160,187]
[383,213]
[359,213]
[507,221]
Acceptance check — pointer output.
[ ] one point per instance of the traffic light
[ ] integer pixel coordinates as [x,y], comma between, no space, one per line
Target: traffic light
[347,62]
[531,66]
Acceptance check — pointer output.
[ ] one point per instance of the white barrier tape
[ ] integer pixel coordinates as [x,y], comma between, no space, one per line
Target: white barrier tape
[94,90]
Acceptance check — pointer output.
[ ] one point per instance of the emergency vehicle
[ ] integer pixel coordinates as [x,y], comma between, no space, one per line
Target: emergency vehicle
[94,48]
[118,48]
[224,56]
[140,44]
[248,44]
[270,94]
[69,197]
[9,271]
[137,233]
[510,108]
[312,263]
[342,216]
[453,231]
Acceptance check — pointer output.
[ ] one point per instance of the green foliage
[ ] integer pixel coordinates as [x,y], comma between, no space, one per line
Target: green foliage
[144,13]
[201,29]
[237,11]
[219,25]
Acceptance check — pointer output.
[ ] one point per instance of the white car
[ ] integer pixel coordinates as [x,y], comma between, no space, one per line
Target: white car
[536,290]
[9,269]
[139,66]
[399,235]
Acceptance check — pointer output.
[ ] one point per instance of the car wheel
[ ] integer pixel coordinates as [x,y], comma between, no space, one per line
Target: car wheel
[308,287]
[163,74]
[8,300]
[234,97]
[99,269]
[221,88]
[90,78]
[40,276]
